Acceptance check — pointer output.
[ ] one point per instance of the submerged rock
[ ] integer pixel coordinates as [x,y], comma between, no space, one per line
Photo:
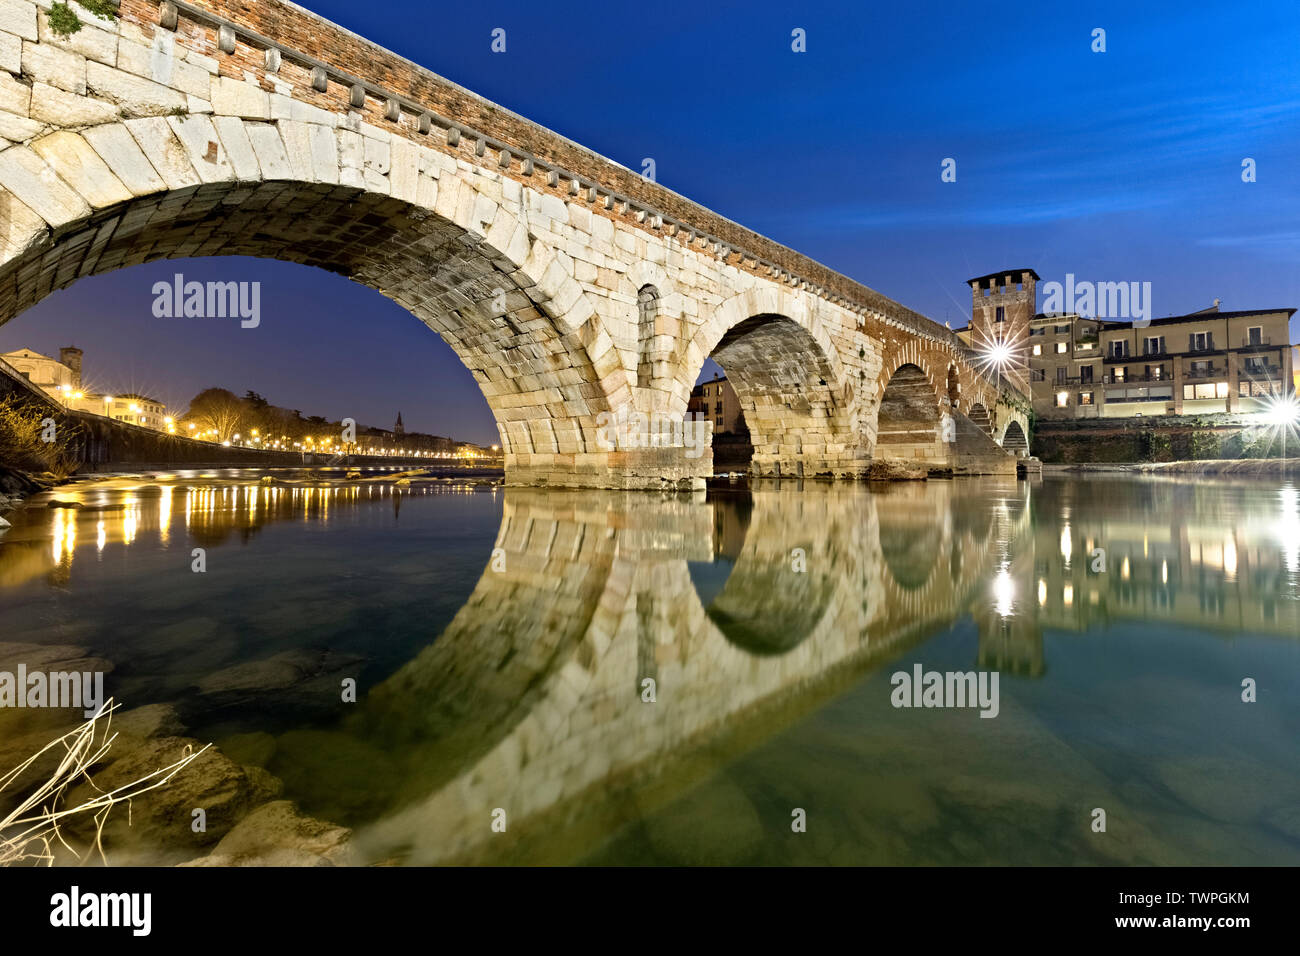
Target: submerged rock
[276,834]
[157,826]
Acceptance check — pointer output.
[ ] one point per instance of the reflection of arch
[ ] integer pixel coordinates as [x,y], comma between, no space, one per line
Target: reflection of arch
[909,413]
[468,270]
[932,557]
[773,599]
[911,547]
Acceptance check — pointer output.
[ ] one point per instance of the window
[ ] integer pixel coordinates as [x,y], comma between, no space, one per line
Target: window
[1153,345]
[1118,348]
[1199,342]
[1085,374]
[1255,335]
[1000,314]
[1061,347]
[1220,389]
[1062,399]
[647,307]
[1085,398]
[1204,391]
[1060,375]
[1062,330]
[1038,350]
[1121,373]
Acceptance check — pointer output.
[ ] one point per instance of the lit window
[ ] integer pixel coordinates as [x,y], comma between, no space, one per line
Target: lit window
[1221,390]
[1062,399]
[1085,398]
[1061,347]
[1038,350]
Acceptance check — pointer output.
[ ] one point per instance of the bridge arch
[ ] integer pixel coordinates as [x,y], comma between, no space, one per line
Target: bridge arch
[1014,439]
[800,406]
[909,416]
[458,260]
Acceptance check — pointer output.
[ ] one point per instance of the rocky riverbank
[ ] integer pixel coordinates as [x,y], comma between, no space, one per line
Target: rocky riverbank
[246,821]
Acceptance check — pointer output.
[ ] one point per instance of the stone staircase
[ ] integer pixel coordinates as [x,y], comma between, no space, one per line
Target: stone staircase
[982,420]
[976,453]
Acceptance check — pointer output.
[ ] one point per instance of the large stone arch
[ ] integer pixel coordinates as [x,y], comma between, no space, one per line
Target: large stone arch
[801,408]
[1014,438]
[910,414]
[464,263]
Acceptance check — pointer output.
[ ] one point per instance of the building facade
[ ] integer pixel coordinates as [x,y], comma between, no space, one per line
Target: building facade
[135,409]
[1205,362]
[1079,366]
[56,377]
[716,400]
[61,379]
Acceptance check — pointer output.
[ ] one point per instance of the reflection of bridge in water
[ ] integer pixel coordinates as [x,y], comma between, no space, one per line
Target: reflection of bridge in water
[531,700]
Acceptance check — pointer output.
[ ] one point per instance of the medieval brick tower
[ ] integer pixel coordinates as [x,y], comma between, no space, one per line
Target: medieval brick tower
[1002,303]
[71,357]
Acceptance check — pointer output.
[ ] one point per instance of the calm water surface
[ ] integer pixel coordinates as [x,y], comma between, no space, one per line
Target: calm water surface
[501,640]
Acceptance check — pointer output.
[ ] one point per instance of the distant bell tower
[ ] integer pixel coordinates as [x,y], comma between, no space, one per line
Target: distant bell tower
[71,357]
[1002,303]
[398,427]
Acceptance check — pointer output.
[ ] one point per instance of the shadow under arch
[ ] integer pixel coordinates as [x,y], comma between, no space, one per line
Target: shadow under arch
[781,575]
[530,362]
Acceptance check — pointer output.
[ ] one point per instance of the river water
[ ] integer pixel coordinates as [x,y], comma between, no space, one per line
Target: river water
[547,676]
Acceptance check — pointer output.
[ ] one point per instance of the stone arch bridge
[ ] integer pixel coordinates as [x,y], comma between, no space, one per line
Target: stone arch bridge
[576,291]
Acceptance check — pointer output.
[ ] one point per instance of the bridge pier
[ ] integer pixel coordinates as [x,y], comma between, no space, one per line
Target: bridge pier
[639,469]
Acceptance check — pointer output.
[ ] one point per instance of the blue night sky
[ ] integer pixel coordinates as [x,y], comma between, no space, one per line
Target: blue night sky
[1122,166]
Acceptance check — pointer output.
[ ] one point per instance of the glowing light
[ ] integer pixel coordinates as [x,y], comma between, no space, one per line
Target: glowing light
[1004,593]
[1068,595]
[1281,410]
[1042,592]
[1067,545]
[1230,557]
[1288,528]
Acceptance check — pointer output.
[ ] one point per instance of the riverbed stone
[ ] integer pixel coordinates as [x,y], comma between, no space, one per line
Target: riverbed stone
[277,834]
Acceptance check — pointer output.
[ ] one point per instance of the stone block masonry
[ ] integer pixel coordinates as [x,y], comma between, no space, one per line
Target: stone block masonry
[570,286]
